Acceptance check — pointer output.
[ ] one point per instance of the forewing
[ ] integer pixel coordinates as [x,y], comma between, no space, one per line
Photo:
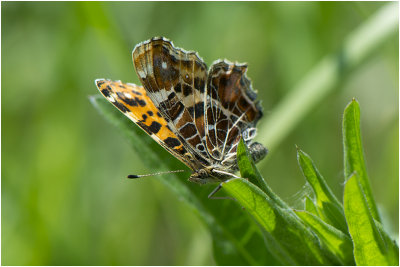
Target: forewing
[175,81]
[232,109]
[133,102]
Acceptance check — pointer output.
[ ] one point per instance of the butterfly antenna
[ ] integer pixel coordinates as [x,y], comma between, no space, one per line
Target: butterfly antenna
[134,176]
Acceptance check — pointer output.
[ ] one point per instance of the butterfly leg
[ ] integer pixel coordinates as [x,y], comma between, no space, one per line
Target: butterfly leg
[211,195]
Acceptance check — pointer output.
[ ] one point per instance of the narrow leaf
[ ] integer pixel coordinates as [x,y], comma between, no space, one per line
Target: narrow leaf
[337,242]
[372,246]
[309,206]
[354,155]
[247,168]
[329,208]
[287,237]
[249,171]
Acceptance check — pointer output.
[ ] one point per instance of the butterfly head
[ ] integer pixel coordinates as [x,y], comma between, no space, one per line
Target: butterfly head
[204,176]
[220,173]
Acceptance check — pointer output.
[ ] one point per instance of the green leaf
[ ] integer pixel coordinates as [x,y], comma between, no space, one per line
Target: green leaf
[247,167]
[329,208]
[336,241]
[354,155]
[235,242]
[287,237]
[372,246]
[309,206]
[249,171]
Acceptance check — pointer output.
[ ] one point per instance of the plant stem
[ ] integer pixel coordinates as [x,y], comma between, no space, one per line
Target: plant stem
[326,74]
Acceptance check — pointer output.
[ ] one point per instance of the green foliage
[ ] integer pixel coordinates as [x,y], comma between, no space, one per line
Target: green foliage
[290,242]
[310,206]
[372,245]
[335,240]
[248,169]
[363,243]
[327,205]
[354,154]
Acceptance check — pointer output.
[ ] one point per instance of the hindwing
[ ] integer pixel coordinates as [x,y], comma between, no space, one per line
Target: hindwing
[232,109]
[207,110]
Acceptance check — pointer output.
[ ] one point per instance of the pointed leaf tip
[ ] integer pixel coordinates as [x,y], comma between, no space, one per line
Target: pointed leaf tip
[354,153]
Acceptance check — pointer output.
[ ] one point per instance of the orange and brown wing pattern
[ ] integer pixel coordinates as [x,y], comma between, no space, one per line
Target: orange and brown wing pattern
[198,115]
[207,110]
[232,109]
[133,102]
[175,81]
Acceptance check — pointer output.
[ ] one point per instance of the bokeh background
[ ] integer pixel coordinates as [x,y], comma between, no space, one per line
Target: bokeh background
[65,200]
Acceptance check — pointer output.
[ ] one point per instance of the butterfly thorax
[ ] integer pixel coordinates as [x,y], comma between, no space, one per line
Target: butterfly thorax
[221,171]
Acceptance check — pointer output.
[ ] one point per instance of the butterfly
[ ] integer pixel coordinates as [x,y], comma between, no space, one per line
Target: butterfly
[197,114]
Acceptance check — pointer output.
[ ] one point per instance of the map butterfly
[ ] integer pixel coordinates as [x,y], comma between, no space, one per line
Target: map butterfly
[196,114]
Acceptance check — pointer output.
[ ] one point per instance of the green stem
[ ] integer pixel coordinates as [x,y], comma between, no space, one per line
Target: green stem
[326,74]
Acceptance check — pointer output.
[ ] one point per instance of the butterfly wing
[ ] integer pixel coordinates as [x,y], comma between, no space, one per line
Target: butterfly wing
[133,102]
[208,111]
[231,110]
[175,81]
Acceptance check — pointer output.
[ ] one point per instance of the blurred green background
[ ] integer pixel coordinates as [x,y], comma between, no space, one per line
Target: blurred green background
[65,199]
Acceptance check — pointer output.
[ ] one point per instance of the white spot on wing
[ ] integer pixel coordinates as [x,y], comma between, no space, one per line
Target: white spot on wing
[127,95]
[164,65]
[142,74]
[111,99]
[159,95]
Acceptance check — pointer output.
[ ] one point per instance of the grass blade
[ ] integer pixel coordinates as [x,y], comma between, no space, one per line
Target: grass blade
[321,80]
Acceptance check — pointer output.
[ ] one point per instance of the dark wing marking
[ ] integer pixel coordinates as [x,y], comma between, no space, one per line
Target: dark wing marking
[231,108]
[133,101]
[175,81]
